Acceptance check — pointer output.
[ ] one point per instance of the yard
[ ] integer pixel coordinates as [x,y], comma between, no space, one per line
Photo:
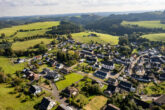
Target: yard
[30,43]
[96,103]
[11,100]
[101,38]
[9,67]
[69,80]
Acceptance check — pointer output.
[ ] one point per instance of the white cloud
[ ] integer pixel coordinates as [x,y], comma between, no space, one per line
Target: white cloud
[38,7]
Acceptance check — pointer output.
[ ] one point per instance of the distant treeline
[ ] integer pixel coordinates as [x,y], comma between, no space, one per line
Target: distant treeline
[65,28]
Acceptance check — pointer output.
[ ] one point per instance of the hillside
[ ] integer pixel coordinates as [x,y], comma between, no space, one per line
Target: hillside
[155,37]
[145,24]
[24,30]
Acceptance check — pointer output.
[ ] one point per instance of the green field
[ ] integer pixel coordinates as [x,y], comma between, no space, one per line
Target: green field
[155,37]
[39,25]
[30,43]
[101,38]
[9,67]
[145,24]
[69,80]
[10,100]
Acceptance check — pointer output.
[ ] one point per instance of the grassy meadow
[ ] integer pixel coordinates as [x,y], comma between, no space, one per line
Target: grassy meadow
[39,25]
[69,80]
[9,67]
[155,37]
[101,38]
[30,43]
[145,24]
[96,103]
[11,100]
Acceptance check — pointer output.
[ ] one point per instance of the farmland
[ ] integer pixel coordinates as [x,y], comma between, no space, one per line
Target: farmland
[145,24]
[30,43]
[39,28]
[69,80]
[9,67]
[84,37]
[155,37]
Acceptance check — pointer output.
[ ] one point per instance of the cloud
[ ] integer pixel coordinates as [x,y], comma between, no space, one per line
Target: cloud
[38,7]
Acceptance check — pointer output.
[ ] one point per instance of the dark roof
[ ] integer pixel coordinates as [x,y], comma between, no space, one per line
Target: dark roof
[109,63]
[142,103]
[111,88]
[101,74]
[162,75]
[34,88]
[125,85]
[104,69]
[45,103]
[160,100]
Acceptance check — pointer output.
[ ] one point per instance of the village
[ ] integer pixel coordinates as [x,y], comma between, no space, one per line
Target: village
[98,70]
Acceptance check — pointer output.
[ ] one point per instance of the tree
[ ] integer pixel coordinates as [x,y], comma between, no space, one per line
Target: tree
[123,41]
[3,35]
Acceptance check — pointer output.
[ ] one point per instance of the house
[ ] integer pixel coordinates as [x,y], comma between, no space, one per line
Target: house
[111,90]
[71,91]
[162,76]
[59,66]
[53,75]
[101,74]
[108,65]
[91,60]
[65,70]
[39,57]
[96,66]
[47,103]
[111,107]
[160,101]
[20,60]
[126,86]
[112,81]
[35,89]
[52,62]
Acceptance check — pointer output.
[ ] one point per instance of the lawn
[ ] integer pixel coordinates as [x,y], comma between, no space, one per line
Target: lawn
[152,88]
[39,25]
[101,38]
[145,24]
[155,37]
[10,100]
[30,43]
[96,103]
[9,67]
[69,80]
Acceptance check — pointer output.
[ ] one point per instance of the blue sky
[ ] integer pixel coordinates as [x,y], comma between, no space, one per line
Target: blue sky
[44,7]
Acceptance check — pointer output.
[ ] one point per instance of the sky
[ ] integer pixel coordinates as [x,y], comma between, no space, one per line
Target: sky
[47,7]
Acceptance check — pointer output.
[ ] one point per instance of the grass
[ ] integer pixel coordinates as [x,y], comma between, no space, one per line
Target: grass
[39,25]
[155,37]
[145,24]
[30,43]
[9,67]
[81,99]
[96,103]
[152,88]
[101,38]
[30,33]
[10,100]
[135,51]
[69,80]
